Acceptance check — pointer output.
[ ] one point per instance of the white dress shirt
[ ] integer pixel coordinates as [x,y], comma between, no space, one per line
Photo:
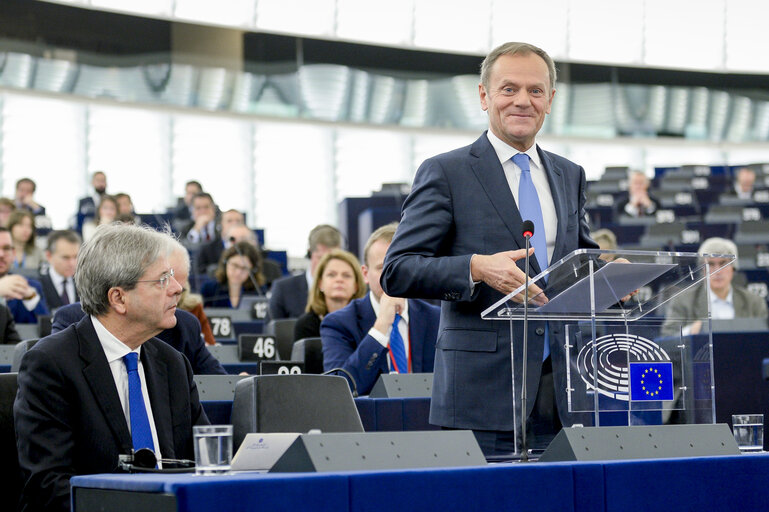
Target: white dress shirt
[403,328]
[115,349]
[57,280]
[505,154]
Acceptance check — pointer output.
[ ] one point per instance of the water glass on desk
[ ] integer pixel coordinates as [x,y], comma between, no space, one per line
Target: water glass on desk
[748,431]
[213,449]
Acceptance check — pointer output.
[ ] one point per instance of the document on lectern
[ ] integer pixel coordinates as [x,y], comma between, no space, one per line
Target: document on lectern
[612,282]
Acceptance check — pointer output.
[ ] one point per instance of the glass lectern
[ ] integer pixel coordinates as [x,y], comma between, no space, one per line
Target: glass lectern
[619,357]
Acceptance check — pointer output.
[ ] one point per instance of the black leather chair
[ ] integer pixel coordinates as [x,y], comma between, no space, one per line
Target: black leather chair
[293,403]
[309,351]
[11,480]
[283,329]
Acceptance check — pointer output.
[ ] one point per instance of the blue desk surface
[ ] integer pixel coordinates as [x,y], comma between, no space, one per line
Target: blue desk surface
[376,414]
[705,483]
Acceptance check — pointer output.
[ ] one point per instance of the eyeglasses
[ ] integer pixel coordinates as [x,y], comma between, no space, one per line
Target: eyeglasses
[6,248]
[238,266]
[163,281]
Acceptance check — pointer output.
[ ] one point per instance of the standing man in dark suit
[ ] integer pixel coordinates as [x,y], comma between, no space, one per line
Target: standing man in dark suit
[289,294]
[358,336]
[59,279]
[106,386]
[460,241]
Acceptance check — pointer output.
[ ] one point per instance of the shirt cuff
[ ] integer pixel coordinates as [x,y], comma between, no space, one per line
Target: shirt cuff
[31,304]
[473,284]
[381,338]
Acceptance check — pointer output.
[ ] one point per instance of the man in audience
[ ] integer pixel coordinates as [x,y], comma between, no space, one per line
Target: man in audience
[24,297]
[744,183]
[106,386]
[460,240]
[727,301]
[185,336]
[125,208]
[360,337]
[58,281]
[183,210]
[88,204]
[25,191]
[202,228]
[289,294]
[8,333]
[638,203]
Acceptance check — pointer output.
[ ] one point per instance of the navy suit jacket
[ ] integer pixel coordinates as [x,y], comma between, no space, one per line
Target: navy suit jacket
[51,294]
[20,312]
[69,419]
[461,204]
[184,337]
[347,343]
[289,297]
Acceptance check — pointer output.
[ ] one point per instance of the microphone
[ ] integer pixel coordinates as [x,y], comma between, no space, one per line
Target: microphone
[144,460]
[349,377]
[257,288]
[527,229]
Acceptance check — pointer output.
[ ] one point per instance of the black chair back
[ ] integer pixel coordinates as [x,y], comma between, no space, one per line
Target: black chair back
[12,480]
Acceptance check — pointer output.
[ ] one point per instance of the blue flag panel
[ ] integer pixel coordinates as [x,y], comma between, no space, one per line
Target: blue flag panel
[651,381]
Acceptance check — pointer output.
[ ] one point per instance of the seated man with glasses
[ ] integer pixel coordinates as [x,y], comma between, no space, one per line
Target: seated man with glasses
[24,297]
[106,386]
[727,301]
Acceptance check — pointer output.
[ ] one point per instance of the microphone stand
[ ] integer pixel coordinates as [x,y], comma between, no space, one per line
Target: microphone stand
[524,447]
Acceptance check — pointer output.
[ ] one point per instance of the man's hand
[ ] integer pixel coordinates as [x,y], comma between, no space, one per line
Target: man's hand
[15,287]
[501,273]
[388,307]
[202,221]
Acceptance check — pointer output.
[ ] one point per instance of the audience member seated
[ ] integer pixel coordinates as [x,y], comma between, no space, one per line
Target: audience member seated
[606,240]
[211,252]
[58,279]
[337,281]
[193,303]
[236,275]
[185,336]
[202,228]
[88,204]
[744,184]
[6,209]
[24,198]
[8,327]
[105,386]
[106,213]
[289,294]
[727,301]
[183,210]
[639,202]
[125,207]
[22,228]
[358,336]
[24,297]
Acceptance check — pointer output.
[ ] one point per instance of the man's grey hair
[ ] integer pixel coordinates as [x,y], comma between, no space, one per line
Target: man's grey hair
[515,49]
[117,255]
[718,245]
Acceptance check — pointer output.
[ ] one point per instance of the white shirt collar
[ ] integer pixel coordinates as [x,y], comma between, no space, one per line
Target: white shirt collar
[505,152]
[728,300]
[56,278]
[114,349]
[375,305]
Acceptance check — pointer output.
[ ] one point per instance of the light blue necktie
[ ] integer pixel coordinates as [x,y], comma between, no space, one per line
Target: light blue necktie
[140,423]
[397,348]
[530,209]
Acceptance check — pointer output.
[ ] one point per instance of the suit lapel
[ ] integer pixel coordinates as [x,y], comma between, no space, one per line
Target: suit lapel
[156,373]
[487,169]
[97,373]
[557,187]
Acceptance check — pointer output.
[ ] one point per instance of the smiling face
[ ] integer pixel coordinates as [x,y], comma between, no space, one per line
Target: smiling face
[518,98]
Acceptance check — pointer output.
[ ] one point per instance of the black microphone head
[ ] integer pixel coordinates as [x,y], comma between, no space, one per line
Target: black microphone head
[232,239]
[145,458]
[527,228]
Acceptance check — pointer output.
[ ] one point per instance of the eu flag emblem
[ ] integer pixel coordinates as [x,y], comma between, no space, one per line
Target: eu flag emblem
[651,381]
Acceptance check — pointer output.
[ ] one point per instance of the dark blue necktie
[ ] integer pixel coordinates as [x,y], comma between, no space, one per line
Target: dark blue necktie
[140,423]
[397,348]
[530,209]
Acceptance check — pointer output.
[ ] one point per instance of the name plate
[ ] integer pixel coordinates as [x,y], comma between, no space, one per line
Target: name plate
[281,367]
[257,347]
[221,326]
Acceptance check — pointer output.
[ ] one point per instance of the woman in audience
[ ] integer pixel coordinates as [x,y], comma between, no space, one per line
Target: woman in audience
[237,266]
[105,213]
[338,280]
[21,224]
[193,303]
[7,206]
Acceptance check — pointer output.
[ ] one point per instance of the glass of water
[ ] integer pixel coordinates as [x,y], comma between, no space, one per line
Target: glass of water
[749,432]
[213,449]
